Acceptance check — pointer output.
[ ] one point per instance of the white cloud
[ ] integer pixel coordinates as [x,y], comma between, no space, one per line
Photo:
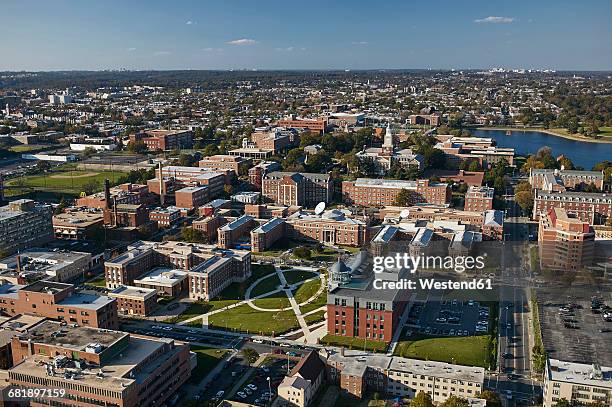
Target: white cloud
[131,49]
[495,20]
[161,53]
[242,41]
[287,49]
[189,22]
[210,49]
[360,43]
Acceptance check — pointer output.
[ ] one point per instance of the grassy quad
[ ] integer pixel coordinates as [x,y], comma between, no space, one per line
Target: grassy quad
[294,276]
[467,350]
[307,290]
[246,319]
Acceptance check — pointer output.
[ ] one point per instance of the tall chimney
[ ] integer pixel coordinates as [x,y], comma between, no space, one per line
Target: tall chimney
[18,264]
[107,196]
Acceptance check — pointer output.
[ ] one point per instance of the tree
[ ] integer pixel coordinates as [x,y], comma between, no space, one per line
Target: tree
[88,152]
[563,403]
[137,147]
[60,208]
[302,252]
[250,354]
[493,399]
[185,160]
[403,198]
[422,399]
[91,187]
[210,149]
[454,401]
[42,166]
[525,200]
[191,235]
[228,189]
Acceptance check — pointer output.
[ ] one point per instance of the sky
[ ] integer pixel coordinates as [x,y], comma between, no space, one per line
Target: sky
[40,35]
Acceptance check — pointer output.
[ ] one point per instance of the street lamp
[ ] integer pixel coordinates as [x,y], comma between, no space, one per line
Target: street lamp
[269,390]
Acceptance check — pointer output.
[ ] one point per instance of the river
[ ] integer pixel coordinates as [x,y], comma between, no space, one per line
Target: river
[581,153]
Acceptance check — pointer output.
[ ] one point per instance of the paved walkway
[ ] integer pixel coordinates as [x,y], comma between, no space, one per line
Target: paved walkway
[293,302]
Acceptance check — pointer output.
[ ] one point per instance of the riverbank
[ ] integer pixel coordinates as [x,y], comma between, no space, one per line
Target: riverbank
[553,132]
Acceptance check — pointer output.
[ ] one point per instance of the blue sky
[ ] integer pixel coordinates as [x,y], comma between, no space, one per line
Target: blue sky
[260,34]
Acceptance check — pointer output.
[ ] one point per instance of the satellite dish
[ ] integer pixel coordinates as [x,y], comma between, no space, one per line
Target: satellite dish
[320,208]
[404,213]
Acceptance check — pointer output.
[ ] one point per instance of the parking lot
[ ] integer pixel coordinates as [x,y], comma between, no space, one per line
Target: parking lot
[574,331]
[255,389]
[450,317]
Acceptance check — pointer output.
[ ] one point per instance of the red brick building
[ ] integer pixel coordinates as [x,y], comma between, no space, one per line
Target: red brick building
[594,208]
[165,139]
[165,217]
[61,301]
[191,197]
[135,300]
[226,162]
[314,125]
[209,225]
[126,215]
[257,172]
[383,192]
[297,189]
[479,199]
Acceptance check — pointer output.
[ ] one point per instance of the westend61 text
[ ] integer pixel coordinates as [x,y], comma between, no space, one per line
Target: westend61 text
[431,284]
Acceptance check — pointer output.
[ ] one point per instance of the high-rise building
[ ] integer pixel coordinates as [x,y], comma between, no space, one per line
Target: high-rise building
[24,223]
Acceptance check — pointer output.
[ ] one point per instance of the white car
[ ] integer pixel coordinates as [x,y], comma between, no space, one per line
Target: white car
[257,341]
[166,328]
[252,386]
[284,345]
[241,395]
[220,394]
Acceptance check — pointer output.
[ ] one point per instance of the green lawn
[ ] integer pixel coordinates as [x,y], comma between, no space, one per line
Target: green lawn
[208,358]
[269,284]
[354,343]
[276,300]
[246,319]
[295,276]
[466,350]
[69,182]
[305,291]
[99,281]
[315,317]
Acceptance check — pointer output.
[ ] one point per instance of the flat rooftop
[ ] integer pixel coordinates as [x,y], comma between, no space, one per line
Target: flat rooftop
[72,337]
[49,287]
[86,300]
[162,276]
[579,373]
[126,291]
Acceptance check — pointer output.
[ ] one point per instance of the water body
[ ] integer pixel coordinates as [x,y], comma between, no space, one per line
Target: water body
[581,153]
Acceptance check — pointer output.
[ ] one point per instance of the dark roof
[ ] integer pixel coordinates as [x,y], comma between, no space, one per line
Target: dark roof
[310,367]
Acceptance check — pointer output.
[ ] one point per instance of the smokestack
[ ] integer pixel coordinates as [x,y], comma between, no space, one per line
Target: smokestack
[18,264]
[115,210]
[161,185]
[107,196]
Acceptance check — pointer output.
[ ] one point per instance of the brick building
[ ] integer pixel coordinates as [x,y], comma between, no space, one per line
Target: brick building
[314,125]
[382,192]
[165,139]
[275,141]
[126,215]
[594,208]
[135,300]
[565,243]
[165,217]
[209,225]
[77,225]
[59,301]
[257,172]
[226,162]
[196,176]
[264,236]
[229,234]
[554,180]
[479,199]
[98,367]
[133,194]
[191,197]
[297,189]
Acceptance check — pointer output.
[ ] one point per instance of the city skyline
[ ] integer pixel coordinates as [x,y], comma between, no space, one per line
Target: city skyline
[67,35]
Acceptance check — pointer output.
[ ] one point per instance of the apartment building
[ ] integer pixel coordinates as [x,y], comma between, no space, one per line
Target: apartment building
[264,236]
[565,243]
[123,269]
[165,217]
[383,192]
[357,373]
[554,180]
[59,301]
[209,225]
[297,189]
[356,308]
[233,163]
[594,208]
[479,199]
[77,224]
[229,234]
[214,180]
[135,300]
[23,224]
[99,366]
[578,383]
[191,197]
[209,278]
[165,139]
[257,172]
[294,122]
